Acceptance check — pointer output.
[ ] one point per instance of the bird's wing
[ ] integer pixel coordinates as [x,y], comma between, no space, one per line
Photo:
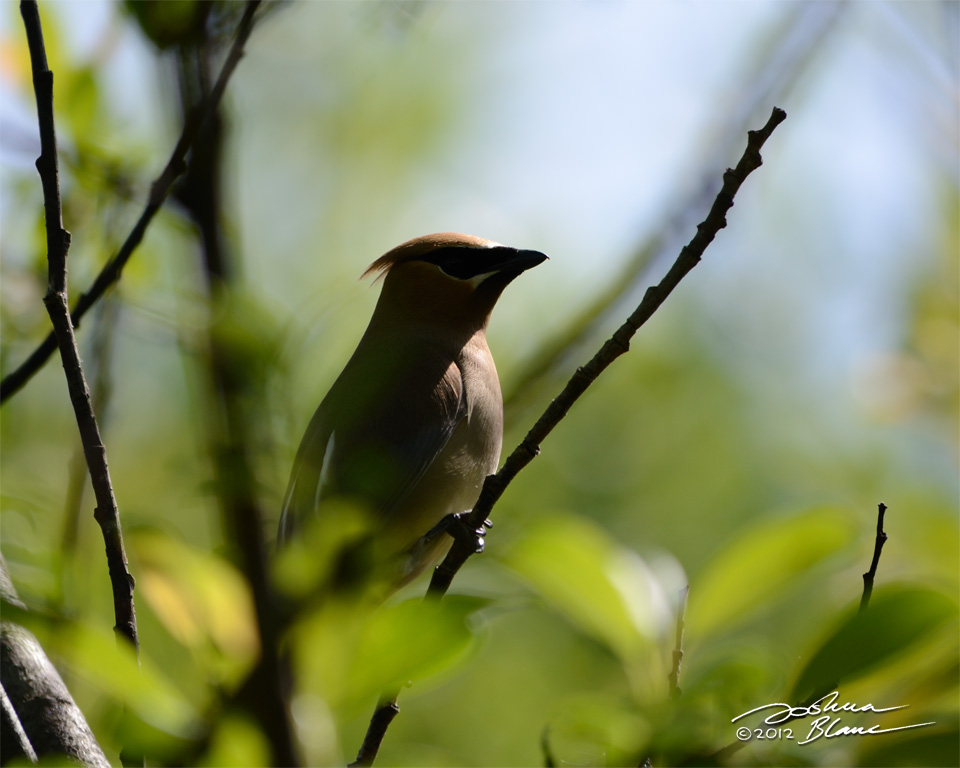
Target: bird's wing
[373,438]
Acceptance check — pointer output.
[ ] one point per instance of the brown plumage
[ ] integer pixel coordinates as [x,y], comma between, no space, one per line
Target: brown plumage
[414,423]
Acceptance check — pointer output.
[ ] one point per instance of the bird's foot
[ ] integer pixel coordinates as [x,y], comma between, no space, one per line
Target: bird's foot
[455,525]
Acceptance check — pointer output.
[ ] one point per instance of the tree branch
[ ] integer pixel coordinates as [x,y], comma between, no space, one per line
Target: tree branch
[383,715]
[869,576]
[39,717]
[616,345]
[159,190]
[55,300]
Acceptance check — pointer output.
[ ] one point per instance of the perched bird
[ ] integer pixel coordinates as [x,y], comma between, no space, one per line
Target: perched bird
[414,423]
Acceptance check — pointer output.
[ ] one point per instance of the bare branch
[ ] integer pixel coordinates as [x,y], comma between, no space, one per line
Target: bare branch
[159,190]
[55,300]
[383,715]
[869,576]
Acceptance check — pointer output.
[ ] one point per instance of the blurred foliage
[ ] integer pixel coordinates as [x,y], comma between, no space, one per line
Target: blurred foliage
[171,22]
[672,470]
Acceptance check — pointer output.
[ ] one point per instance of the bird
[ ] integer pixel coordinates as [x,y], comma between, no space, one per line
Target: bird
[413,424]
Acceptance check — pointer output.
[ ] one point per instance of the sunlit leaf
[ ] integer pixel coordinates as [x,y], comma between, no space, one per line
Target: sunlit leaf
[200,598]
[237,741]
[764,560]
[112,667]
[605,589]
[81,100]
[349,654]
[414,639]
[596,731]
[897,617]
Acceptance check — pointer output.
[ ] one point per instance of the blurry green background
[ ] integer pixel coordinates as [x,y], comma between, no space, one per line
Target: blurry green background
[804,372]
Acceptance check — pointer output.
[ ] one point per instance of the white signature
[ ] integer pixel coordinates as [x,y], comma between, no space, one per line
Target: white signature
[827,725]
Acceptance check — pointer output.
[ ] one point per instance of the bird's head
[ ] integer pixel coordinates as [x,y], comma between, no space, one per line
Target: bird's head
[447,278]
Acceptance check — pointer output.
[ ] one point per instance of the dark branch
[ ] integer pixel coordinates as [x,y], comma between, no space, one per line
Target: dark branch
[869,576]
[40,702]
[55,300]
[386,710]
[39,717]
[159,190]
[689,257]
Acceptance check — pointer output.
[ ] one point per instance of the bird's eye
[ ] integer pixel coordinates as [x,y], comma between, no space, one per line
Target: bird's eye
[454,262]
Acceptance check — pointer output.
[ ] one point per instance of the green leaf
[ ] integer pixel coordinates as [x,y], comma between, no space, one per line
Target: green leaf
[237,741]
[597,731]
[898,617]
[169,22]
[349,654]
[201,599]
[112,667]
[608,591]
[413,640]
[81,100]
[761,563]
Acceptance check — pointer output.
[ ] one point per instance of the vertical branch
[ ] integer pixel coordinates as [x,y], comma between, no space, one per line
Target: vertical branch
[58,244]
[264,694]
[869,576]
[101,355]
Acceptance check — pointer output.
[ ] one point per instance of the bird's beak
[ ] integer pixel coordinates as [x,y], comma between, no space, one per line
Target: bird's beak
[515,261]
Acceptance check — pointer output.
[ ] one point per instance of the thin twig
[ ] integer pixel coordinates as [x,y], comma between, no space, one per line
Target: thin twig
[674,676]
[58,244]
[869,576]
[101,356]
[616,345]
[159,190]
[383,715]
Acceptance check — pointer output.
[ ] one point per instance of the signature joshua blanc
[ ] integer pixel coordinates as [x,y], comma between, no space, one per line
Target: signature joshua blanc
[827,725]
